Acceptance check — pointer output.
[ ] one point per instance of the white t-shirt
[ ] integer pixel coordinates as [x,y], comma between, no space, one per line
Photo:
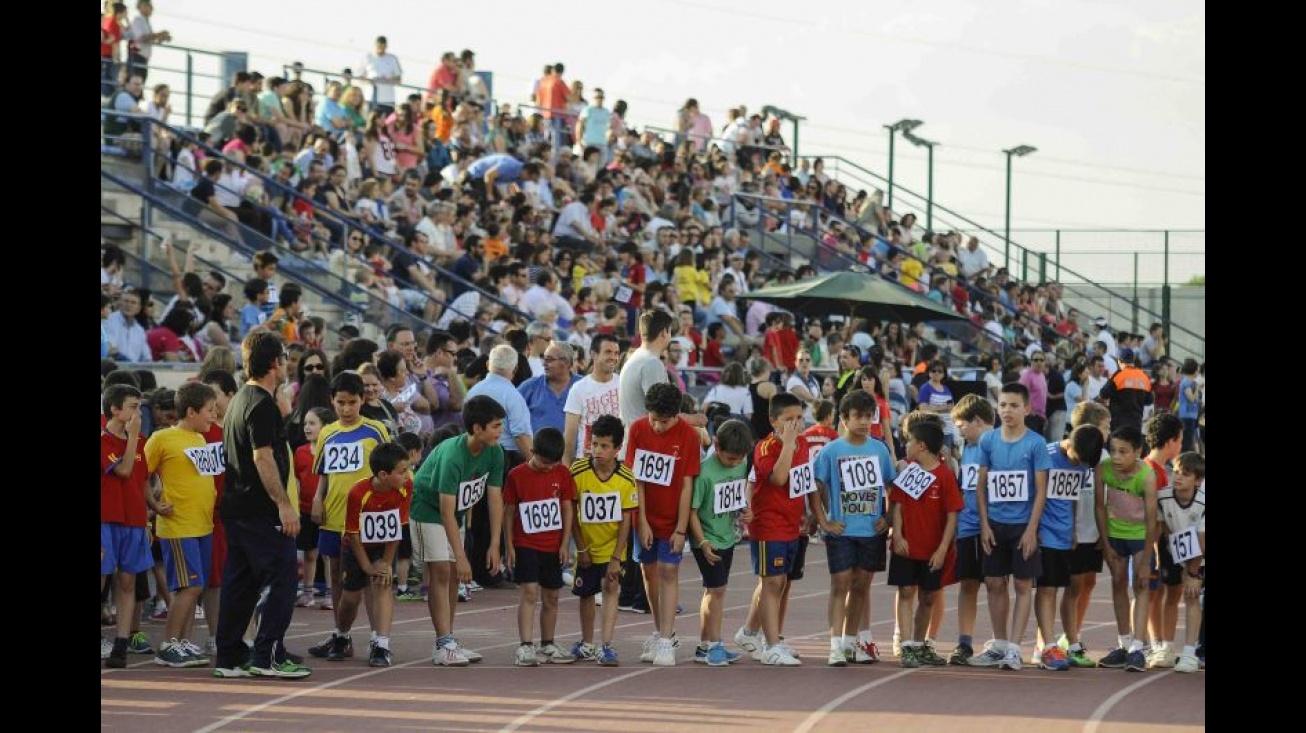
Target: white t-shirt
[812,384]
[140,28]
[737,399]
[1095,385]
[591,399]
[385,65]
[972,262]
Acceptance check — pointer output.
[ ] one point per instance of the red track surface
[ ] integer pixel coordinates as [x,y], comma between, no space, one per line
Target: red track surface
[494,695]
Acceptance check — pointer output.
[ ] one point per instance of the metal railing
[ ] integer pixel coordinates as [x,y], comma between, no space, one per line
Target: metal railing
[1028,260]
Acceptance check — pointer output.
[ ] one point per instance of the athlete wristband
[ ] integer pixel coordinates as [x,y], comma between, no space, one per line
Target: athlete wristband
[678,532]
[704,542]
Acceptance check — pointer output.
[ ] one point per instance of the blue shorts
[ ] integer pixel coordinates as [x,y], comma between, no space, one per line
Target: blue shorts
[126,549]
[1126,548]
[773,558]
[187,561]
[659,552]
[328,543]
[865,553]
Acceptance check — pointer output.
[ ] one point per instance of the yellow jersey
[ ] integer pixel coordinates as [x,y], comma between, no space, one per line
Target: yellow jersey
[186,464]
[600,506]
[341,458]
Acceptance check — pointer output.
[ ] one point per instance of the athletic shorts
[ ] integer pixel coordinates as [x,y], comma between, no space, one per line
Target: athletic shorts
[970,558]
[352,577]
[906,572]
[431,543]
[187,561]
[328,543]
[772,557]
[1085,558]
[126,549]
[660,552]
[865,553]
[718,575]
[1056,568]
[535,566]
[1006,557]
[308,533]
[218,566]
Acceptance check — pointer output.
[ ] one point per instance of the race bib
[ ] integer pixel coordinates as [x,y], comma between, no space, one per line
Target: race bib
[801,481]
[211,460]
[544,515]
[728,496]
[470,492]
[654,468]
[342,457]
[969,477]
[377,527]
[1065,484]
[914,480]
[1008,486]
[599,508]
[623,294]
[860,473]
[1184,545]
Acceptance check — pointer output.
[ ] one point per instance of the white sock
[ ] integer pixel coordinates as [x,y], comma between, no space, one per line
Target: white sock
[848,641]
[1126,641]
[836,643]
[374,635]
[1076,647]
[1190,650]
[865,635]
[1038,648]
[909,644]
[1001,644]
[338,632]
[1136,646]
[403,589]
[382,642]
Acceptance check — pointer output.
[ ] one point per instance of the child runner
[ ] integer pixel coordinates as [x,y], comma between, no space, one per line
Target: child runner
[973,416]
[717,502]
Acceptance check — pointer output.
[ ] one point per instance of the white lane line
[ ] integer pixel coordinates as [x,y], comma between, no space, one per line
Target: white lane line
[817,716]
[1095,719]
[541,710]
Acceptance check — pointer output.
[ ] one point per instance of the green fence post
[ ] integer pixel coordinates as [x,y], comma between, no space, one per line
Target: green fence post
[1133,325]
[190,89]
[1058,255]
[1042,267]
[795,161]
[1165,293]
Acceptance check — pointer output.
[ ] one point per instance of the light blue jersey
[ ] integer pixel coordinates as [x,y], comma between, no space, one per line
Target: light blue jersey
[1012,467]
[1056,528]
[856,479]
[968,521]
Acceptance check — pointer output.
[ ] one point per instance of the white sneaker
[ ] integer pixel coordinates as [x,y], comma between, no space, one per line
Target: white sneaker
[106,648]
[790,650]
[468,654]
[199,612]
[567,578]
[1161,658]
[1010,659]
[1036,656]
[779,656]
[551,654]
[1187,664]
[448,656]
[666,653]
[837,658]
[598,600]
[526,656]
[750,643]
[649,650]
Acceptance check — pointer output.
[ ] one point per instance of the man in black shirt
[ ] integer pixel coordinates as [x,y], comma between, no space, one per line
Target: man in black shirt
[261,520]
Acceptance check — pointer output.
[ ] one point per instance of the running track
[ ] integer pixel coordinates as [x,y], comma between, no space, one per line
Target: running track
[496,696]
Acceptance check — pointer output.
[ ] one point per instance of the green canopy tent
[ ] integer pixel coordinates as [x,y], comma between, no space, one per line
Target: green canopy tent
[859,294]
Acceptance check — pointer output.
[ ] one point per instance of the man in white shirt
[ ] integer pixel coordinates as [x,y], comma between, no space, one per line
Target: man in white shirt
[971,259]
[126,335]
[1097,377]
[1104,335]
[544,297]
[384,71]
[735,268]
[573,227]
[141,37]
[592,397]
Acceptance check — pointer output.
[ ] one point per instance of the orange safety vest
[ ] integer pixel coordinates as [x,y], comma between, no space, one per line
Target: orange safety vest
[1131,377]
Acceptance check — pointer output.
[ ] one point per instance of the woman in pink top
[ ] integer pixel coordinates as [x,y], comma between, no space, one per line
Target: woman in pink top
[407,138]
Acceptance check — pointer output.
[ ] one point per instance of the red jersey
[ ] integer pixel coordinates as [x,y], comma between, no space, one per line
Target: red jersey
[781,346]
[635,275]
[882,416]
[122,500]
[924,519]
[1162,476]
[307,477]
[776,517]
[712,356]
[695,338]
[109,25]
[378,516]
[818,436]
[661,463]
[535,499]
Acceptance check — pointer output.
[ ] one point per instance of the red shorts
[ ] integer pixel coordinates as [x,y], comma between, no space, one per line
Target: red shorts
[219,554]
[949,565]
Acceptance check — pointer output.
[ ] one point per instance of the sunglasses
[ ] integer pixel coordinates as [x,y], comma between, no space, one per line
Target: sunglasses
[315,368]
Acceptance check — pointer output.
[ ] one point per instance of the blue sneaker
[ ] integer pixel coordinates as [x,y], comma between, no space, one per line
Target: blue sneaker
[607,657]
[1135,661]
[583,652]
[700,653]
[731,657]
[717,656]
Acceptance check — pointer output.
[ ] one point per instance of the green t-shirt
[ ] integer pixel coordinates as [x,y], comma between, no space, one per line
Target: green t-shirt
[718,487]
[268,105]
[1126,502]
[452,469]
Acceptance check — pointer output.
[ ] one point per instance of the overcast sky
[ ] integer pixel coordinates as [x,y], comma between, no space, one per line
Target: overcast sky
[1112,93]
